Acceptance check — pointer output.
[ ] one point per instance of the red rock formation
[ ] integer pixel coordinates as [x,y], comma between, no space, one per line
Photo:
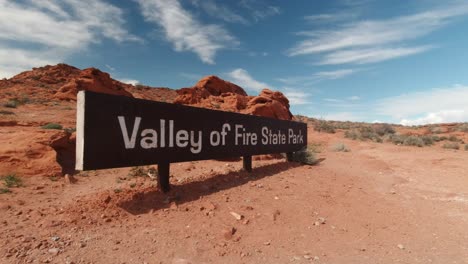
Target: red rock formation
[94,80]
[215,93]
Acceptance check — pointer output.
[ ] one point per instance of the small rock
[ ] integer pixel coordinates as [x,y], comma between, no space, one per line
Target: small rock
[107,199]
[322,220]
[237,216]
[229,232]
[267,243]
[392,191]
[108,220]
[275,215]
[316,258]
[54,251]
[400,246]
[173,206]
[82,244]
[316,223]
[276,198]
[307,257]
[19,213]
[55,238]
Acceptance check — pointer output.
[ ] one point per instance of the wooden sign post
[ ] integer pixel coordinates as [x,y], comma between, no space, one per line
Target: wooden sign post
[118,131]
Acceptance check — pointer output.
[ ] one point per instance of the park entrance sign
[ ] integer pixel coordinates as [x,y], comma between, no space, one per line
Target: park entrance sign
[118,131]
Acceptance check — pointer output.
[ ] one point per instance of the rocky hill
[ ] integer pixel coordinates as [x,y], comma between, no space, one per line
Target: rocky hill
[38,111]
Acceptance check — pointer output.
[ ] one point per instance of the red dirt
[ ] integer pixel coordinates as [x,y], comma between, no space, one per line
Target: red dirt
[378,203]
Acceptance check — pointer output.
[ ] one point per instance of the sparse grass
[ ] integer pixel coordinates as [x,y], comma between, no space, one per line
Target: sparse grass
[11,104]
[324,126]
[117,190]
[138,172]
[453,138]
[11,180]
[340,147]
[304,156]
[435,129]
[52,126]
[315,147]
[463,127]
[15,102]
[428,140]
[132,185]
[69,129]
[53,178]
[363,133]
[3,112]
[384,129]
[4,190]
[451,145]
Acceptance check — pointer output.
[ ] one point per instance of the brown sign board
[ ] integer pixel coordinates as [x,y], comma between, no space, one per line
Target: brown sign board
[118,131]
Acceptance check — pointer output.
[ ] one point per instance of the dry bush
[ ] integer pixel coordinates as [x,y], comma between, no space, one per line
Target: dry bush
[340,147]
[324,126]
[451,145]
[304,156]
[384,129]
[466,147]
[413,141]
[462,127]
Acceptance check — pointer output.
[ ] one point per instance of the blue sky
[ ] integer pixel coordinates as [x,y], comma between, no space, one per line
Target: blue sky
[359,60]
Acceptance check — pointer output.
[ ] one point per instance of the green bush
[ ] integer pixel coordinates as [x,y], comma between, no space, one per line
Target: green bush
[11,180]
[451,145]
[52,126]
[3,112]
[11,103]
[413,141]
[340,147]
[324,126]
[304,156]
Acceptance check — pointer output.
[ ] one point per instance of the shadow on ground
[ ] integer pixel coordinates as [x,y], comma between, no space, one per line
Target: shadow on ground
[144,202]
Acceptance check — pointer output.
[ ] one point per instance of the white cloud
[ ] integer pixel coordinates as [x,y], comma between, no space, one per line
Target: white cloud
[343,116]
[365,41]
[354,98]
[296,97]
[259,9]
[219,11]
[242,78]
[434,106]
[184,31]
[129,81]
[362,56]
[34,33]
[317,77]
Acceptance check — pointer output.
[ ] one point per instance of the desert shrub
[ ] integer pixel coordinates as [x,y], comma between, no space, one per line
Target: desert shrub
[3,112]
[324,126]
[315,147]
[428,140]
[384,129]
[352,134]
[435,138]
[11,180]
[398,139]
[69,129]
[52,126]
[11,103]
[435,129]
[368,132]
[453,138]
[451,145]
[340,147]
[442,138]
[137,172]
[304,156]
[413,141]
[4,190]
[463,127]
[466,147]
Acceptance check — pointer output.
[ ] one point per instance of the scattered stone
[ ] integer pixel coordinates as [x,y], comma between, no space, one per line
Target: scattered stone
[316,258]
[107,199]
[19,213]
[322,220]
[55,238]
[267,243]
[237,216]
[392,191]
[316,223]
[82,244]
[108,220]
[276,198]
[229,232]
[54,251]
[307,257]
[275,215]
[245,222]
[400,246]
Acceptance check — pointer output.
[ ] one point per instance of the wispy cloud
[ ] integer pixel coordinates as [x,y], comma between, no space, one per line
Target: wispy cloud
[448,104]
[220,11]
[243,78]
[376,40]
[363,56]
[259,9]
[35,33]
[185,32]
[296,97]
[317,77]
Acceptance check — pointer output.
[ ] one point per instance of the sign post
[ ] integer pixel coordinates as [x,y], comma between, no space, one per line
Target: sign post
[118,131]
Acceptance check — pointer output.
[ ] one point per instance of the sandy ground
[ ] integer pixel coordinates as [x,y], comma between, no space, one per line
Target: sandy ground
[379,203]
